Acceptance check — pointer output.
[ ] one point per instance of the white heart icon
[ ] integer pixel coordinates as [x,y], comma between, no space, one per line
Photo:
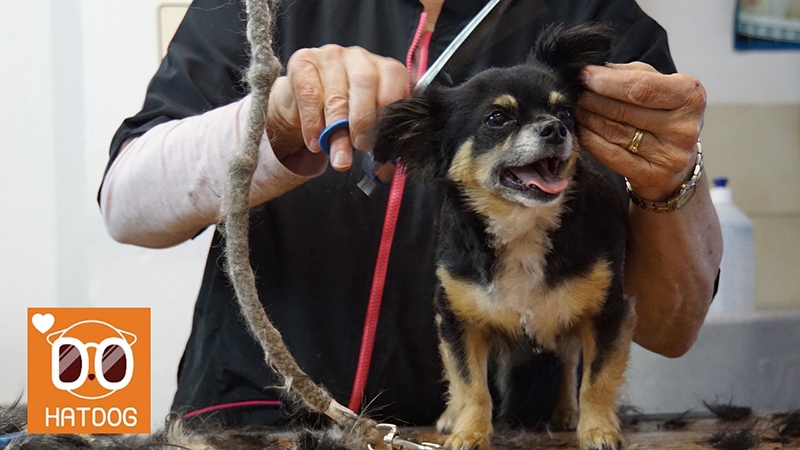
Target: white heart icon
[43,322]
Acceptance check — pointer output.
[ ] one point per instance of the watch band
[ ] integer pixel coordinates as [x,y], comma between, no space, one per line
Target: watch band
[682,195]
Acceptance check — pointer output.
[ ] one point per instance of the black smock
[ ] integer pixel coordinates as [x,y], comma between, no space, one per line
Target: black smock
[314,248]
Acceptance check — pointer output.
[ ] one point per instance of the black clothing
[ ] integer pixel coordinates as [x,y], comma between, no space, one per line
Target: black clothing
[314,248]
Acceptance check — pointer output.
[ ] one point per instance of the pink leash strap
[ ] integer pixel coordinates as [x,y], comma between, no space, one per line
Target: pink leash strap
[384,250]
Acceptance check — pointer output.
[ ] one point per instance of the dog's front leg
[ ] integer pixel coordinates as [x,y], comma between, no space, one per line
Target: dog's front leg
[468,416]
[565,416]
[603,374]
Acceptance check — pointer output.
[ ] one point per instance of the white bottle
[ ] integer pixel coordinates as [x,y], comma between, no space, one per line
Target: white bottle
[736,292]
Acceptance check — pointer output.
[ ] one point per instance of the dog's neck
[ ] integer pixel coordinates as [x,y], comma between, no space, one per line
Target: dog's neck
[521,224]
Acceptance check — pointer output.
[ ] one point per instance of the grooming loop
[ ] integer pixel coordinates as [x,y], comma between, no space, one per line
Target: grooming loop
[393,441]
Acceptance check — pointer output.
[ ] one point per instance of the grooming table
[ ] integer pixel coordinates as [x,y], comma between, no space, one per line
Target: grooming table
[648,433]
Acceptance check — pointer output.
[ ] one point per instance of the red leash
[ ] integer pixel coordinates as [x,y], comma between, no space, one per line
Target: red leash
[385,248]
[376,293]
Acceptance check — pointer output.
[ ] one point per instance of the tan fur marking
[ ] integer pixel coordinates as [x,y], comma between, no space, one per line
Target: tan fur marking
[556,98]
[520,301]
[469,407]
[547,313]
[460,169]
[506,101]
[473,303]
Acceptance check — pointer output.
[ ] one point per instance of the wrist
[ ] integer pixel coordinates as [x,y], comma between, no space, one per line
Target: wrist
[678,197]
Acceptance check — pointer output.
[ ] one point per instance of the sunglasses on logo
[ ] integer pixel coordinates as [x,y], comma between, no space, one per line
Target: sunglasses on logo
[70,363]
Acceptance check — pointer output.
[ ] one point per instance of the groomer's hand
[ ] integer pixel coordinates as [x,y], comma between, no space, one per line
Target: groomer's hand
[326,84]
[668,109]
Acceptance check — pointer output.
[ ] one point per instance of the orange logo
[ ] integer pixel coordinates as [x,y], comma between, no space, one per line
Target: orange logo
[89,370]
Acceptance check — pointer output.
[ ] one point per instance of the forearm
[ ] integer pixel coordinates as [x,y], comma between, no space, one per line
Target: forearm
[164,187]
[671,266]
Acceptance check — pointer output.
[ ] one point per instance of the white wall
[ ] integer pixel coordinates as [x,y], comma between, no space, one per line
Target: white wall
[72,70]
[701,39]
[28,269]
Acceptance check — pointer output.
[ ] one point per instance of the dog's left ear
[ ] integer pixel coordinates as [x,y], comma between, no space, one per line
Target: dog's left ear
[411,130]
[569,50]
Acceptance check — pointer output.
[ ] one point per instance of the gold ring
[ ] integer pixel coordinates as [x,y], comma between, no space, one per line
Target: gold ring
[637,139]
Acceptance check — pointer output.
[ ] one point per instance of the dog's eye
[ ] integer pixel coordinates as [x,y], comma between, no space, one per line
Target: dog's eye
[565,115]
[498,119]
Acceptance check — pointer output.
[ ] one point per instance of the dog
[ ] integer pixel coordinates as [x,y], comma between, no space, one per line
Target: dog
[532,235]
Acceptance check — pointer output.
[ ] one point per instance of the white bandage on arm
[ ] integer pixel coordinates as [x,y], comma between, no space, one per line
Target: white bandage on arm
[164,186]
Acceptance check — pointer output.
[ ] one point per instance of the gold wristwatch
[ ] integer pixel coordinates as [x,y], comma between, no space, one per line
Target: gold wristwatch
[681,197]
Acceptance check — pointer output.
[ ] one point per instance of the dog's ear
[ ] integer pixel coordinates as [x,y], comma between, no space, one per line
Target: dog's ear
[411,130]
[569,50]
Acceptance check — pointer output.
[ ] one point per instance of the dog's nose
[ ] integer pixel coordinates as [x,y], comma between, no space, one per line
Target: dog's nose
[553,131]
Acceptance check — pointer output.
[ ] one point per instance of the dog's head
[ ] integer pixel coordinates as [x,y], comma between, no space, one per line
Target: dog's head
[505,135]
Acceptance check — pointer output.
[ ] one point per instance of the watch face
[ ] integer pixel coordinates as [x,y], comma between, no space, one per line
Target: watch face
[685,196]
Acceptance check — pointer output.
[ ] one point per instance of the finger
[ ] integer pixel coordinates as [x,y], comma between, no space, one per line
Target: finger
[336,104]
[308,95]
[283,119]
[617,133]
[619,111]
[363,78]
[679,127]
[394,81]
[647,178]
[612,131]
[610,154]
[617,137]
[654,177]
[635,65]
[645,88]
[660,153]
[368,93]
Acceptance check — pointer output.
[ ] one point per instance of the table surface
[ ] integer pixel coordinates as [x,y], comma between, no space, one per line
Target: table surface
[648,433]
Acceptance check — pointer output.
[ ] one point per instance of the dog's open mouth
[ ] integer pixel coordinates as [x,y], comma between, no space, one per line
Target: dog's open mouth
[544,174]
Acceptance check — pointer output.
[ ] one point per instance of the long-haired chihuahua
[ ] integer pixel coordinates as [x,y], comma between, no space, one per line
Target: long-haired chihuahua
[532,235]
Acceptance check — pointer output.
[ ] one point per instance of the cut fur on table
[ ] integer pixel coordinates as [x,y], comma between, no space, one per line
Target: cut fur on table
[678,422]
[733,439]
[788,424]
[729,412]
[177,436]
[13,418]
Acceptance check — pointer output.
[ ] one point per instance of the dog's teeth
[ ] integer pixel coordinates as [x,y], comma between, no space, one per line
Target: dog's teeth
[513,177]
[559,167]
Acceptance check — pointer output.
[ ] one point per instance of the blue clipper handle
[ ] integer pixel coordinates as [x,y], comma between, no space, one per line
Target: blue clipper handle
[325,136]
[370,181]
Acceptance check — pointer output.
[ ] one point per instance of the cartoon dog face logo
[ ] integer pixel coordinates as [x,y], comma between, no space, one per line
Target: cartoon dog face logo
[91,359]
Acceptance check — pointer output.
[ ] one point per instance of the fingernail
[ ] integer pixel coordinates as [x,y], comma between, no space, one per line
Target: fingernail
[313,145]
[358,143]
[339,160]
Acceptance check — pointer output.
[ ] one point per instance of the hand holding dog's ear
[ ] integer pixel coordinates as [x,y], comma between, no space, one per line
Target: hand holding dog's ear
[668,109]
[323,85]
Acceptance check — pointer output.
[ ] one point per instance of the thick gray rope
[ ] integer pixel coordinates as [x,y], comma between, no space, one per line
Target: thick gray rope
[234,213]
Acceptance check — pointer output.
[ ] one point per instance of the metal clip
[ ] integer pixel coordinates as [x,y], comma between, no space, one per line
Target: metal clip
[393,441]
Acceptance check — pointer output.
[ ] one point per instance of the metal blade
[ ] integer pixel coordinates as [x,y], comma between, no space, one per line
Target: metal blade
[466,43]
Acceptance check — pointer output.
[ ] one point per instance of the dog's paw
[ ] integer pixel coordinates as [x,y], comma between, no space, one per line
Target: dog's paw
[564,419]
[446,422]
[600,439]
[466,440]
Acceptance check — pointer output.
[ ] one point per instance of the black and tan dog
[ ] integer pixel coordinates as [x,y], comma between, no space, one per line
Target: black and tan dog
[532,235]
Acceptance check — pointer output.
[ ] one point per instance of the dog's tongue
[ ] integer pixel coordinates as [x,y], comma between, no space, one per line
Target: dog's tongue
[539,175]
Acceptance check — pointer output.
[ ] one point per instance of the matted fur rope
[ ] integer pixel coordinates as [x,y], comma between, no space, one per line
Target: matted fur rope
[234,213]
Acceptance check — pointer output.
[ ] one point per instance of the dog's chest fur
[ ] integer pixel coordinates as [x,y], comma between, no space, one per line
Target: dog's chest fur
[510,288]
